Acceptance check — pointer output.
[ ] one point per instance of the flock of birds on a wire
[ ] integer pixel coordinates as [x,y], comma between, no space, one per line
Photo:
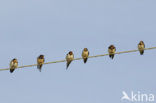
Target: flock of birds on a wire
[70,57]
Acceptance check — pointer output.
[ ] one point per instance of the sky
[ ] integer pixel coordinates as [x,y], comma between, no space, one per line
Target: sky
[29,28]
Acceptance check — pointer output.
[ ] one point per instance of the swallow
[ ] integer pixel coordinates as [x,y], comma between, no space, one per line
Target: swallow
[141,47]
[85,54]
[111,50]
[69,58]
[13,65]
[40,62]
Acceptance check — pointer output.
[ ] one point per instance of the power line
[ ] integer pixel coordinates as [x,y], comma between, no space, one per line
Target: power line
[59,61]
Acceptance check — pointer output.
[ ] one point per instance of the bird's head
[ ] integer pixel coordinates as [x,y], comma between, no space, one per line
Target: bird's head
[41,56]
[70,53]
[111,47]
[141,42]
[85,49]
[15,60]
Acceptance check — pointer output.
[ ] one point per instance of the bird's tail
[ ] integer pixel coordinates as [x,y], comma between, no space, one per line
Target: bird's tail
[39,67]
[12,70]
[111,56]
[68,63]
[141,52]
[85,60]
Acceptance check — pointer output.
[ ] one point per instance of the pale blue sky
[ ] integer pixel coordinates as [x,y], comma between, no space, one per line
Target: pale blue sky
[29,28]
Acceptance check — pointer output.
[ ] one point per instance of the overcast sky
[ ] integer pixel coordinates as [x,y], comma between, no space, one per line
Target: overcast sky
[29,28]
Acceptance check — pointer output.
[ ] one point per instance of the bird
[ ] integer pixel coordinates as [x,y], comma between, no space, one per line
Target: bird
[141,47]
[85,54]
[13,65]
[69,58]
[111,50]
[40,62]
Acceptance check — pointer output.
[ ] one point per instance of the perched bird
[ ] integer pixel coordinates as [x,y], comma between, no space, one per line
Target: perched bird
[13,65]
[111,50]
[69,58]
[85,54]
[40,62]
[141,47]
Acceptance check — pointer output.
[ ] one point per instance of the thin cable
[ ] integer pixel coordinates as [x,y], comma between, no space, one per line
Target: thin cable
[80,58]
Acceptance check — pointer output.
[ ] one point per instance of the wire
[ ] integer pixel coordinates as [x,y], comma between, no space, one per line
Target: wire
[59,61]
